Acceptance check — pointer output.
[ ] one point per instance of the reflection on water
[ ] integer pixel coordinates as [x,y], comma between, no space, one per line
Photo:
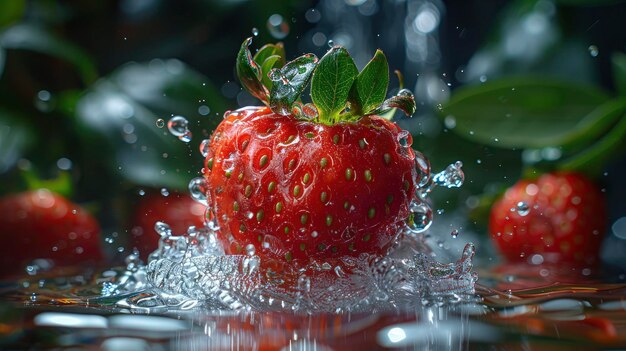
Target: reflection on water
[66,309]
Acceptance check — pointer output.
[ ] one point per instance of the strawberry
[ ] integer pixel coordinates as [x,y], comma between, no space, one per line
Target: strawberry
[177,210]
[295,183]
[42,224]
[559,216]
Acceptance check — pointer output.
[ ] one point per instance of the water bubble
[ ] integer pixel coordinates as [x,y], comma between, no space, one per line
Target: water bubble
[277,26]
[178,126]
[204,147]
[593,50]
[165,192]
[522,208]
[454,233]
[204,110]
[160,123]
[255,32]
[199,190]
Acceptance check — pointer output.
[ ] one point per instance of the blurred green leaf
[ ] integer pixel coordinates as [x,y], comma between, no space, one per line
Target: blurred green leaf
[125,106]
[15,138]
[524,112]
[34,38]
[11,11]
[619,72]
[592,160]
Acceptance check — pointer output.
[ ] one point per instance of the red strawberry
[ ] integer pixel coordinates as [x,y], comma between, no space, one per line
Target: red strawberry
[42,224]
[560,216]
[177,210]
[295,186]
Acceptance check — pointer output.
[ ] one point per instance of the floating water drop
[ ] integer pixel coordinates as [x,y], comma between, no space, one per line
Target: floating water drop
[331,43]
[422,217]
[160,123]
[44,101]
[255,32]
[204,147]
[277,26]
[163,229]
[451,177]
[454,233]
[199,190]
[165,192]
[522,208]
[141,192]
[593,51]
[450,122]
[422,169]
[178,126]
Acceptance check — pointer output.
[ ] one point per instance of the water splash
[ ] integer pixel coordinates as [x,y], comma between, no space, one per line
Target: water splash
[191,269]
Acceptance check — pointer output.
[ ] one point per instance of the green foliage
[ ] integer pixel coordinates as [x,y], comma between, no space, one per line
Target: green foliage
[331,83]
[11,11]
[619,72]
[15,138]
[37,39]
[370,87]
[249,73]
[138,95]
[290,81]
[524,112]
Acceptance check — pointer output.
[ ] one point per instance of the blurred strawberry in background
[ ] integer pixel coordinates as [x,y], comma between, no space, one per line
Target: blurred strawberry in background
[41,224]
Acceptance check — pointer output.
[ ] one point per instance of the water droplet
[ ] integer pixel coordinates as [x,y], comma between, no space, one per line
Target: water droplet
[331,43]
[141,192]
[204,147]
[255,32]
[44,101]
[422,217]
[163,229]
[33,297]
[160,123]
[451,177]
[440,211]
[312,16]
[165,192]
[277,26]
[199,190]
[450,122]
[454,233]
[483,78]
[250,250]
[522,208]
[593,50]
[178,126]
[64,164]
[422,169]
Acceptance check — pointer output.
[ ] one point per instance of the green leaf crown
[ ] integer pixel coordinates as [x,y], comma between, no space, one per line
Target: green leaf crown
[340,93]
